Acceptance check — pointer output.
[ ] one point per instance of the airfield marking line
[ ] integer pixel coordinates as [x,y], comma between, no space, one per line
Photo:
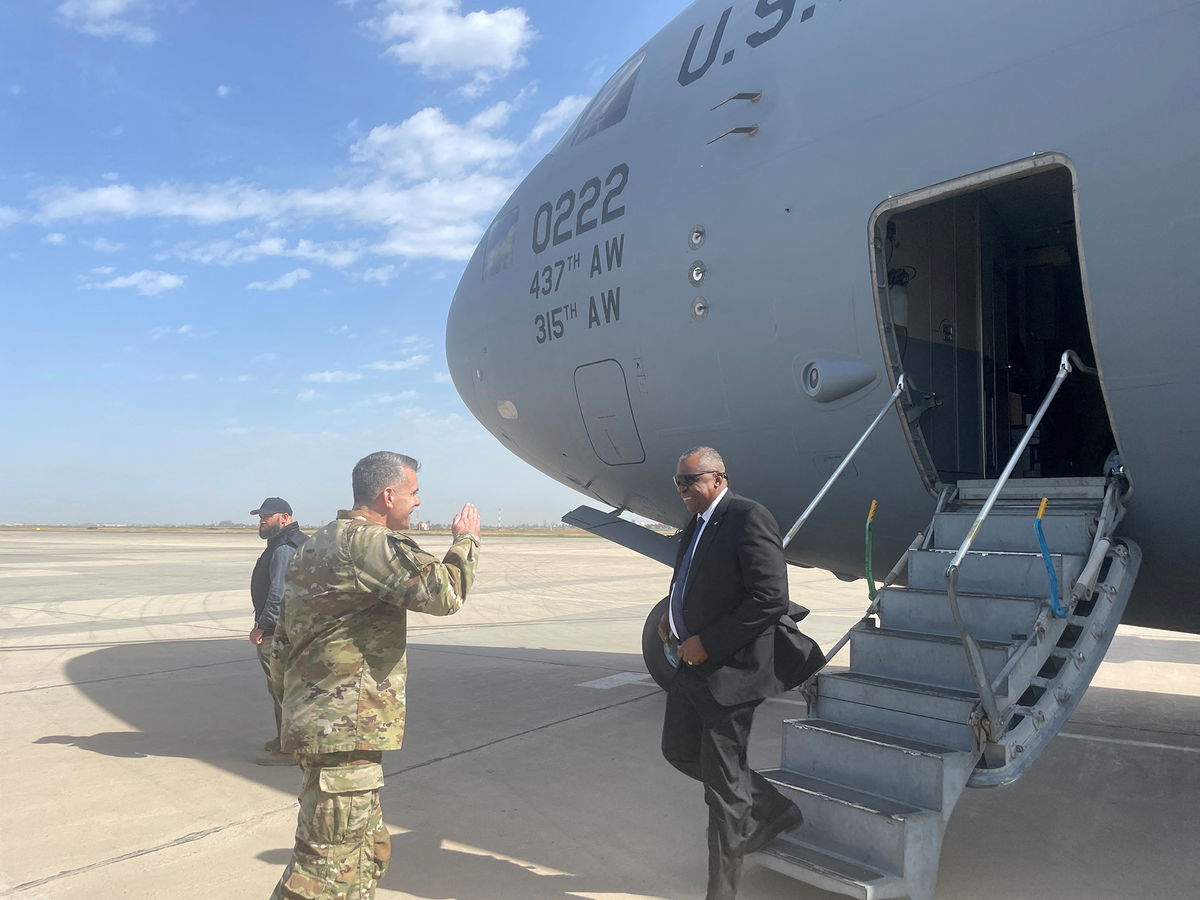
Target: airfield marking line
[93,644]
[1125,742]
[290,808]
[533,730]
[554,620]
[39,610]
[46,687]
[146,851]
[1079,720]
[620,679]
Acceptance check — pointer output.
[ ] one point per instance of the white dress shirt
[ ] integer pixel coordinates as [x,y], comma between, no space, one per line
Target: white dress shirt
[701,521]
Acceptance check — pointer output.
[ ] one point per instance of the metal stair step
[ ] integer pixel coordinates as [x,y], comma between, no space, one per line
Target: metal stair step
[1035,489]
[1067,530]
[829,871]
[948,704]
[884,764]
[927,658]
[994,572]
[954,736]
[854,823]
[994,618]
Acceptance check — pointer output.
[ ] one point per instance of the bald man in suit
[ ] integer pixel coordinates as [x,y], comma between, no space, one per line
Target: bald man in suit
[728,593]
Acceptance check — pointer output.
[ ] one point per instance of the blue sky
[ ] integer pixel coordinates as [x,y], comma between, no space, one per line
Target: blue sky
[230,233]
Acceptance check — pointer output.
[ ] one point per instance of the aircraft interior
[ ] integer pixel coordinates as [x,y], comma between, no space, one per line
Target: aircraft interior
[980,291]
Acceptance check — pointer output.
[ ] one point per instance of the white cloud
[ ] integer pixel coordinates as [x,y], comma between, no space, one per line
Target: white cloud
[400,365]
[334,377]
[265,357]
[381,275]
[236,379]
[435,35]
[116,131]
[105,18]
[189,376]
[387,399]
[436,218]
[307,396]
[427,145]
[425,188]
[147,282]
[554,120]
[103,245]
[455,241]
[282,283]
[158,334]
[16,89]
[243,248]
[55,238]
[342,331]
[442,378]
[224,90]
[496,115]
[110,176]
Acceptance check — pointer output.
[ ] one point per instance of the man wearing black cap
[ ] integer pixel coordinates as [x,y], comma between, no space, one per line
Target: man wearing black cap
[283,536]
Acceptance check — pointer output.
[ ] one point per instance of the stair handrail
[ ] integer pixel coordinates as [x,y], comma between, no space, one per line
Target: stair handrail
[987,696]
[787,538]
[871,611]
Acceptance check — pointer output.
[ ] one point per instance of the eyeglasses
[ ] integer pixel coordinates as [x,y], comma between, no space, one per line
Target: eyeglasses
[692,477]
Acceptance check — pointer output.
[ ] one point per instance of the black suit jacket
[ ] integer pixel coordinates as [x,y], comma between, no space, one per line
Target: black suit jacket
[737,590]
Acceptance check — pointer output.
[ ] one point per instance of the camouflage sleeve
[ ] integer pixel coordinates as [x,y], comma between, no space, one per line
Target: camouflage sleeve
[279,657]
[400,572]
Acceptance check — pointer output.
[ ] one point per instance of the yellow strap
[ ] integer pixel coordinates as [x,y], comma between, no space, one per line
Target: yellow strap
[871,514]
[1042,508]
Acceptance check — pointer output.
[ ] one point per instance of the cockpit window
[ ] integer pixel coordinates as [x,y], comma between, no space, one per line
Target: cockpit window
[610,105]
[501,238]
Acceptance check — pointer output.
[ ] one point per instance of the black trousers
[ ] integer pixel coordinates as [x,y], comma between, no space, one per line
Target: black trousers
[707,742]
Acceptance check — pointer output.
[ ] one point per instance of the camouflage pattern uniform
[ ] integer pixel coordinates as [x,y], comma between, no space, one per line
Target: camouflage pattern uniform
[339,664]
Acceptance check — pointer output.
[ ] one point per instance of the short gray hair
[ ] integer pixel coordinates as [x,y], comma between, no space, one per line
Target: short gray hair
[708,457]
[377,471]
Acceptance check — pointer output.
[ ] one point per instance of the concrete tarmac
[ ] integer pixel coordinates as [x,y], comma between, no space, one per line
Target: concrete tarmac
[133,706]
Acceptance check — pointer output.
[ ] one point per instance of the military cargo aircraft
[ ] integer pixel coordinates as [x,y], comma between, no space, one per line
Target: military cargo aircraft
[932,254]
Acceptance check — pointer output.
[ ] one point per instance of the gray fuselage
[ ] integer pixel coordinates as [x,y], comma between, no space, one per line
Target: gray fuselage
[652,286]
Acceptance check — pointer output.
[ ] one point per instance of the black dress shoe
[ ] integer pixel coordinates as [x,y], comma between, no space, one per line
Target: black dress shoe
[771,829]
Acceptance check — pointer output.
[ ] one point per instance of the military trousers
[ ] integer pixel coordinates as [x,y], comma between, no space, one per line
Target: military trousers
[342,846]
[263,650]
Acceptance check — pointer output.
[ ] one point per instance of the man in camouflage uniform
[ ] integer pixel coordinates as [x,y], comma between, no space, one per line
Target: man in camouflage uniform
[339,664]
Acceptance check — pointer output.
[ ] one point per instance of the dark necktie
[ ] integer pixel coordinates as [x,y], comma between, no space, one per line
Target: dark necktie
[681,582]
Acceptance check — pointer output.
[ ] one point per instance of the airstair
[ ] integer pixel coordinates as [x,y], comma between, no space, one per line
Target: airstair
[960,678]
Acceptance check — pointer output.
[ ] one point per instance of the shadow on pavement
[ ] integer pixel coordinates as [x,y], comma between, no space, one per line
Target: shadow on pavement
[517,781]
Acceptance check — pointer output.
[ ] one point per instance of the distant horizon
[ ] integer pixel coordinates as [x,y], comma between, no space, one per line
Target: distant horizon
[253,527]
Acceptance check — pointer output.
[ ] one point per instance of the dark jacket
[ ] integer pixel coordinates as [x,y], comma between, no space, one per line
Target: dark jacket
[737,590]
[266,583]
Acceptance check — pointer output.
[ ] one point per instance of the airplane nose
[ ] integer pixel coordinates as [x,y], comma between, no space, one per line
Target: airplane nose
[464,345]
[486,344]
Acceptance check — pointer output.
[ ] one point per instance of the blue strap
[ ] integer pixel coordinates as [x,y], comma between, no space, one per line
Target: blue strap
[1055,606]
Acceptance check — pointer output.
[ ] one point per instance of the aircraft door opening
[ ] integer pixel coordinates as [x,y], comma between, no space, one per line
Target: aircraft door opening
[979,290]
